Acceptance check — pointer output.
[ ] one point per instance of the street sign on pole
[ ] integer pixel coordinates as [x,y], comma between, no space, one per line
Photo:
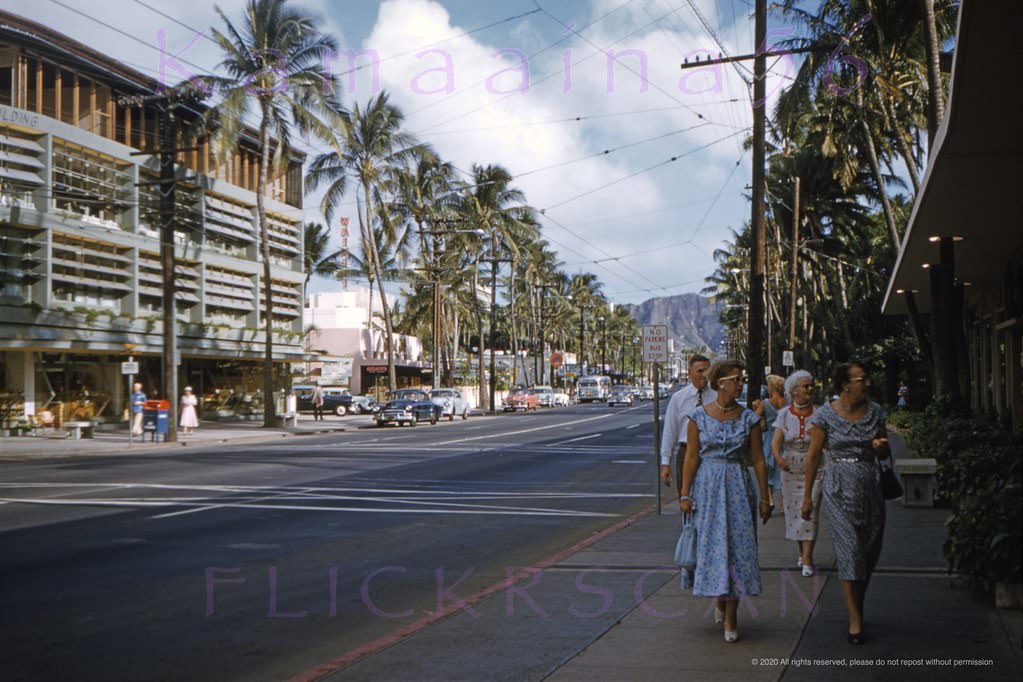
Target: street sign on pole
[655,343]
[556,359]
[129,367]
[786,358]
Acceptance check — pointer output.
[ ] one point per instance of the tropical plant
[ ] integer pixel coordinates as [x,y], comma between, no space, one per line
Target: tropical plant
[276,63]
[372,150]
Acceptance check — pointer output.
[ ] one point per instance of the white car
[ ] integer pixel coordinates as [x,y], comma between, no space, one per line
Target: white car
[545,394]
[451,403]
[561,398]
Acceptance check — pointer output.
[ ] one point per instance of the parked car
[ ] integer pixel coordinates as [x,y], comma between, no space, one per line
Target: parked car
[451,403]
[335,399]
[545,394]
[621,395]
[647,392]
[521,399]
[561,398]
[407,406]
[364,404]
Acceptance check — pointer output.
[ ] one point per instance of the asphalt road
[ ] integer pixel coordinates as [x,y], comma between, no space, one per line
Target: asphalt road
[261,562]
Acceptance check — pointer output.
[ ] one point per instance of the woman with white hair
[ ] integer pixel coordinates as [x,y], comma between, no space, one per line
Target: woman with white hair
[789,446]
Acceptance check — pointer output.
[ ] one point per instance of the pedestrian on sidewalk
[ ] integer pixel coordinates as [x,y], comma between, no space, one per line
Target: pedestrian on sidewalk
[716,486]
[851,431]
[138,402]
[676,419]
[317,400]
[189,418]
[769,409]
[789,449]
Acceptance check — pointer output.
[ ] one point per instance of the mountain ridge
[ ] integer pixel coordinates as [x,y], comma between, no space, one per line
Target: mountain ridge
[692,320]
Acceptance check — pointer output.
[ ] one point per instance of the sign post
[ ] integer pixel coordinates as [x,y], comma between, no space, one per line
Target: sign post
[655,350]
[130,369]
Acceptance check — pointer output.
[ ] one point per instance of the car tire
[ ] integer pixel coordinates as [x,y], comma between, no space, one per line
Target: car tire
[340,410]
[415,420]
[433,420]
[465,414]
[451,417]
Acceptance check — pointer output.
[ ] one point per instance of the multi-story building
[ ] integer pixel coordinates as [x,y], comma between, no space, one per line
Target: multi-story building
[80,274]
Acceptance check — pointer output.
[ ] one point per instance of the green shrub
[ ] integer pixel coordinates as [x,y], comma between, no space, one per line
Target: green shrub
[979,477]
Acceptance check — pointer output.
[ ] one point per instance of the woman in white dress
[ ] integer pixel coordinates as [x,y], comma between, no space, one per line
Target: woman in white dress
[789,446]
[189,418]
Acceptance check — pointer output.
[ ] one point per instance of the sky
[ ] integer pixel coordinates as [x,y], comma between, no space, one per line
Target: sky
[637,166]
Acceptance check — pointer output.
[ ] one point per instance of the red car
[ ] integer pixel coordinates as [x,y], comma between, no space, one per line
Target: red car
[521,399]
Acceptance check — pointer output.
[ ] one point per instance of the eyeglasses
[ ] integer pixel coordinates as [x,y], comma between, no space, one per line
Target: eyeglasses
[737,378]
[801,386]
[865,380]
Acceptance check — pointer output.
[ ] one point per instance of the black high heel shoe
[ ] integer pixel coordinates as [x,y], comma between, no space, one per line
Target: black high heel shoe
[854,638]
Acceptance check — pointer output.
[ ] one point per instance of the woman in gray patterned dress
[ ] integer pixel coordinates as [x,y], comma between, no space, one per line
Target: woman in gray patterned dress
[851,430]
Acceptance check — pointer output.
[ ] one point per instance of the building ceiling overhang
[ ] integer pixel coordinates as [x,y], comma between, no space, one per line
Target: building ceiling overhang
[972,189]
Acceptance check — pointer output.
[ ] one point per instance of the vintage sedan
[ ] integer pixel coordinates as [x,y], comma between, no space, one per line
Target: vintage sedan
[545,394]
[521,399]
[451,403]
[336,400]
[621,395]
[406,411]
[561,398]
[364,404]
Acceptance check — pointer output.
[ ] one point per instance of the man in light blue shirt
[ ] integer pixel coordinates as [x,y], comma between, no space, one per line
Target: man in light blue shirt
[676,419]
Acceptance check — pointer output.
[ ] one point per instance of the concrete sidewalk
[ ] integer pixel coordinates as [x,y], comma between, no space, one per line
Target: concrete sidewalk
[613,610]
[58,444]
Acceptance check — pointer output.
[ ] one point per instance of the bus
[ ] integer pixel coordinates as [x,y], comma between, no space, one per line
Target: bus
[593,388]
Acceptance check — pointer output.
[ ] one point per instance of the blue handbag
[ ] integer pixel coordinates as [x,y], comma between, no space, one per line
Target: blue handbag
[685,548]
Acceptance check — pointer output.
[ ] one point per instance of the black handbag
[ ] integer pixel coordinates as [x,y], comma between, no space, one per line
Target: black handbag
[891,489]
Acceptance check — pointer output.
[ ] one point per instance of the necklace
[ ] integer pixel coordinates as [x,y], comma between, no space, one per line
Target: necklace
[800,407]
[726,409]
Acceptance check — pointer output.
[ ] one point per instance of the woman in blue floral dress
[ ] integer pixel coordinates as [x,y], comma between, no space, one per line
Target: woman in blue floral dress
[851,433]
[716,486]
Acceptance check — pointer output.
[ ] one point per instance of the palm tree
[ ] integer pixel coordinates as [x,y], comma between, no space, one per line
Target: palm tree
[315,259]
[371,149]
[276,63]
[492,205]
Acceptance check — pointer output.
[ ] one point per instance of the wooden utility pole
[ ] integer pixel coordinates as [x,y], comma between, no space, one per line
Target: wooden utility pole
[167,138]
[795,268]
[754,357]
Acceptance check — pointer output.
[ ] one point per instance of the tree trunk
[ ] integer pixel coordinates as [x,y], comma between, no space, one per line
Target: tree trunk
[514,335]
[269,405]
[935,91]
[478,310]
[392,382]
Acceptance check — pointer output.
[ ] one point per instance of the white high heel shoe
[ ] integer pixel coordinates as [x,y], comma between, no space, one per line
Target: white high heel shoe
[731,636]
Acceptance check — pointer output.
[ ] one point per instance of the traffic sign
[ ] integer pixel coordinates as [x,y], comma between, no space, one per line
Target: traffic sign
[129,367]
[787,359]
[655,343]
[556,359]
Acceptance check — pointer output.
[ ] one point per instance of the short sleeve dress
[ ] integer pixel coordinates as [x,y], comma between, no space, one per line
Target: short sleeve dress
[725,509]
[795,431]
[851,488]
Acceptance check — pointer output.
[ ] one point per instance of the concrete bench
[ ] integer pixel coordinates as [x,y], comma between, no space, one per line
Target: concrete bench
[288,419]
[919,480]
[79,430]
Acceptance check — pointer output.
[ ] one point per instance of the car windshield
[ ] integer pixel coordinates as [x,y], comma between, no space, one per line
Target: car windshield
[442,394]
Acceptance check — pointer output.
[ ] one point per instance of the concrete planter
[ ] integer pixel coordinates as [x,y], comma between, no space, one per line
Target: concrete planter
[1009,595]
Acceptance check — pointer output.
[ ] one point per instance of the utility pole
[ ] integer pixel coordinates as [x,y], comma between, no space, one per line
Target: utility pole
[494,260]
[754,359]
[167,134]
[795,268]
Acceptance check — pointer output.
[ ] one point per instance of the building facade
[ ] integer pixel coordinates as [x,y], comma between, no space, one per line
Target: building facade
[80,273]
[961,260]
[339,323]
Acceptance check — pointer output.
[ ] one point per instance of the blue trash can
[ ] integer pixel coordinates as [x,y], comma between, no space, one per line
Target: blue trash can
[156,419]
